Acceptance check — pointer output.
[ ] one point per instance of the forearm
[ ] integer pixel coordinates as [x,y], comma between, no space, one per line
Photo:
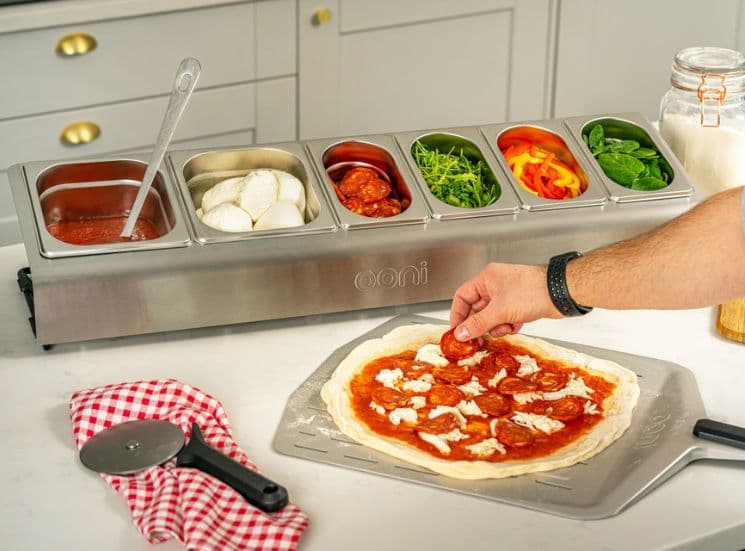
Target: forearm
[696,260]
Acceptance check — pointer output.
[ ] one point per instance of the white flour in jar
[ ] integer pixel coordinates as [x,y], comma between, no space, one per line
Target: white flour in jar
[714,157]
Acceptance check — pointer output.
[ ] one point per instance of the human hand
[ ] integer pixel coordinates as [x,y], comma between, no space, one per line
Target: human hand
[499,300]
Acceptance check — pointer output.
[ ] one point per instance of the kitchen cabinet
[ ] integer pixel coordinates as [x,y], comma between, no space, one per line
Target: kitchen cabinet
[118,80]
[383,66]
[615,56]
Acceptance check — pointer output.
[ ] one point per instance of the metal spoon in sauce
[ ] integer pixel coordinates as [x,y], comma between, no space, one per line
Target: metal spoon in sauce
[186,79]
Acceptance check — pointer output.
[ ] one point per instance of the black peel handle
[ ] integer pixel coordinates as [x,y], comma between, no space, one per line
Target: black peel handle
[723,433]
[258,490]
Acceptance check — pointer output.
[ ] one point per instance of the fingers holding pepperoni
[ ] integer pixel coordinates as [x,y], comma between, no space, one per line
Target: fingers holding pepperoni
[455,350]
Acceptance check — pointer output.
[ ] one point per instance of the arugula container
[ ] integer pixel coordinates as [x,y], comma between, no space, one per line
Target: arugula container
[198,171]
[552,136]
[468,142]
[635,128]
[333,158]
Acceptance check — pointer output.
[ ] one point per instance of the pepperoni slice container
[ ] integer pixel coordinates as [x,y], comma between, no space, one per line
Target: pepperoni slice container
[363,228]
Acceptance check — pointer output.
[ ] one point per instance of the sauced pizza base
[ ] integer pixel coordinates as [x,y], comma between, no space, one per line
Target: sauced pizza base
[363,385]
[616,414]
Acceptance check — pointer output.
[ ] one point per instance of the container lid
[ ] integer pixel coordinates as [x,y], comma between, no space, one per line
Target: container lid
[707,68]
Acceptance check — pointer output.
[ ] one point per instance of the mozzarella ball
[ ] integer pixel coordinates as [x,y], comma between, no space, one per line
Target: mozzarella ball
[258,192]
[228,217]
[222,192]
[282,214]
[290,189]
[200,213]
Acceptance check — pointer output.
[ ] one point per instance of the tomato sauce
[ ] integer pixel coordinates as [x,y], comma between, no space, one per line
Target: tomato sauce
[100,231]
[364,384]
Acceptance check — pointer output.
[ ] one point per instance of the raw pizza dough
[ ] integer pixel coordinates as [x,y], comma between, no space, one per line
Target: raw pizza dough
[617,408]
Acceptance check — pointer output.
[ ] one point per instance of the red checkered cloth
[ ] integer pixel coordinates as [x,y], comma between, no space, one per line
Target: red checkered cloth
[187,504]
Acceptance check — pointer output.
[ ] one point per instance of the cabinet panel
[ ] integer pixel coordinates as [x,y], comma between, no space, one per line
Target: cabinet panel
[127,125]
[134,58]
[453,71]
[616,56]
[9,230]
[356,15]
[276,38]
[276,110]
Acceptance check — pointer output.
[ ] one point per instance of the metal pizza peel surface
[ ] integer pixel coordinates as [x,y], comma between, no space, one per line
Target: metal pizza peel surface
[132,446]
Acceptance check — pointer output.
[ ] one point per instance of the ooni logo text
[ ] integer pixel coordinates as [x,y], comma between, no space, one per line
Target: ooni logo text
[387,278]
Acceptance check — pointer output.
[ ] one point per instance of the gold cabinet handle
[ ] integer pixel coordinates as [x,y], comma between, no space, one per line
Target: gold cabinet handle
[80,133]
[76,44]
[320,17]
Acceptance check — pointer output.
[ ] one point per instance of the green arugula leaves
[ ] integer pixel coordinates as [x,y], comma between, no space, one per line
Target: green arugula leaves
[626,162]
[455,179]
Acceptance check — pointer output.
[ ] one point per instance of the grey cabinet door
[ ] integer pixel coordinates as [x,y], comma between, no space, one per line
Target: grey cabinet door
[615,56]
[391,65]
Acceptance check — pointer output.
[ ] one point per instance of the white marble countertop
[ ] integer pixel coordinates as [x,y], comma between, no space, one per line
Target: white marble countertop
[50,501]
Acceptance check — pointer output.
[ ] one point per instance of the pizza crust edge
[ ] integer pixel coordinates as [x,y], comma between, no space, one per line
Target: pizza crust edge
[617,408]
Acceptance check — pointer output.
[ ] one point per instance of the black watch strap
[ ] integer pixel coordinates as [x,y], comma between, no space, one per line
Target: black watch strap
[556,278]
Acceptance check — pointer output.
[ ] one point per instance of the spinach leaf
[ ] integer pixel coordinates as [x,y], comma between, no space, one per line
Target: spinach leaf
[597,139]
[648,183]
[623,146]
[620,167]
[653,168]
[644,153]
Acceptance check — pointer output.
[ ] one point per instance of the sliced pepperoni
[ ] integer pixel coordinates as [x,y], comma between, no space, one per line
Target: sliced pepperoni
[566,409]
[352,181]
[515,385]
[404,363]
[513,435]
[339,195]
[497,361]
[493,404]
[374,190]
[455,350]
[455,374]
[442,395]
[441,424]
[354,204]
[550,381]
[389,398]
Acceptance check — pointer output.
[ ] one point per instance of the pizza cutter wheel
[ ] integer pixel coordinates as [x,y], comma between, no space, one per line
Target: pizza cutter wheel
[133,446]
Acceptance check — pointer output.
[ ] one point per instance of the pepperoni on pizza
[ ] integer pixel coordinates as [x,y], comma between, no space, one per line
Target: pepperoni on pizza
[510,406]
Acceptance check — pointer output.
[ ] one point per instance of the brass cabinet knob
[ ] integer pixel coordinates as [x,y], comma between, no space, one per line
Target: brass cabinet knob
[79,133]
[76,44]
[320,17]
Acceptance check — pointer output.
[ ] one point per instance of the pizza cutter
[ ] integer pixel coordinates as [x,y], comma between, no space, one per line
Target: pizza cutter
[133,446]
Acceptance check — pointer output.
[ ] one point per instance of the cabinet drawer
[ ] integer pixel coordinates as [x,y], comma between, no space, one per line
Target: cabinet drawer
[134,58]
[127,125]
[361,15]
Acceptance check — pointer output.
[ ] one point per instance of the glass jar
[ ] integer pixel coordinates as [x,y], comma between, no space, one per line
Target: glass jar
[702,117]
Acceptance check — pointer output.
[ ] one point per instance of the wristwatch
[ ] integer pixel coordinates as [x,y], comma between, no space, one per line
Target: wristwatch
[556,278]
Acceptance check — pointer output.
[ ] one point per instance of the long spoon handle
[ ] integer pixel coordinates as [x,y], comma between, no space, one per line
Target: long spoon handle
[186,79]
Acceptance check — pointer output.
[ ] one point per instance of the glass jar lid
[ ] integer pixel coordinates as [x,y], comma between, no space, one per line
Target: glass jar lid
[709,67]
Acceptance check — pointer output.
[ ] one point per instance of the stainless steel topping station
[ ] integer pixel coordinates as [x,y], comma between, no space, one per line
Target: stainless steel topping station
[193,276]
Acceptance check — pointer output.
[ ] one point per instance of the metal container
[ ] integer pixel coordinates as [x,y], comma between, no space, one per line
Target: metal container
[100,188]
[197,171]
[471,142]
[552,136]
[631,126]
[330,158]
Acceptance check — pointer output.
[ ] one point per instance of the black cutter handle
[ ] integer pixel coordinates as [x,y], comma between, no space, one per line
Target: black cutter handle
[258,490]
[723,433]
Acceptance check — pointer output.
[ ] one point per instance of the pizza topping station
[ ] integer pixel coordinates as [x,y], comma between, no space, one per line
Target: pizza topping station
[494,402]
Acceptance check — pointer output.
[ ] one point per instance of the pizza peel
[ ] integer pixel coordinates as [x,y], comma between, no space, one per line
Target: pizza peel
[668,431]
[131,447]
